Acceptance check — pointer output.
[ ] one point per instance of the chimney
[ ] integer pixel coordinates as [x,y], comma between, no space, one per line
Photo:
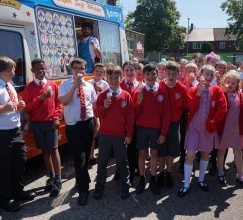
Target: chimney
[192,26]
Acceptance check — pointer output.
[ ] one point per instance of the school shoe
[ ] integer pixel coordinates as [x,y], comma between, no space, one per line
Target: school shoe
[25,196]
[10,205]
[98,193]
[125,193]
[140,187]
[83,198]
[56,188]
[183,191]
[49,184]
[169,182]
[154,187]
[203,186]
[222,180]
[161,180]
[117,176]
[239,181]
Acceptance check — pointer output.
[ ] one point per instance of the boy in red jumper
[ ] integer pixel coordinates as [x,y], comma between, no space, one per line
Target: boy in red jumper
[153,119]
[41,98]
[115,110]
[177,93]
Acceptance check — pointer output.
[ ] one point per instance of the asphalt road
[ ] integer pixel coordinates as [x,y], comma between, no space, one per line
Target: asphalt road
[221,203]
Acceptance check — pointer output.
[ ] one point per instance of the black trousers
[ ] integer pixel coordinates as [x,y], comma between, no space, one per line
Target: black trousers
[12,163]
[80,137]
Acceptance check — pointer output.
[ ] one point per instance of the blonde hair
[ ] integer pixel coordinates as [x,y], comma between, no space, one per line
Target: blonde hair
[191,65]
[234,76]
[6,64]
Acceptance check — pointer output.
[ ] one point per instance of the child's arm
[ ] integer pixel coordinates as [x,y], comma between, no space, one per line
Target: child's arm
[101,106]
[193,99]
[7,107]
[57,111]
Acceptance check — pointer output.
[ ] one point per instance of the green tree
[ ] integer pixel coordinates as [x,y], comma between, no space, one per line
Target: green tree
[158,20]
[234,9]
[207,47]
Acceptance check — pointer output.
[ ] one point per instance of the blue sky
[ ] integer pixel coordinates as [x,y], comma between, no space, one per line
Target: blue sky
[202,13]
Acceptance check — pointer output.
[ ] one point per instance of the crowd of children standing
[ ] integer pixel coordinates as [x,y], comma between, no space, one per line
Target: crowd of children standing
[133,111]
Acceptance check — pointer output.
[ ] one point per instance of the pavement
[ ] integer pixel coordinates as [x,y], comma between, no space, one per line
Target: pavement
[218,203]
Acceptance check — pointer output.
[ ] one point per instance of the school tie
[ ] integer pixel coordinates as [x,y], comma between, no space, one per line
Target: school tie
[129,86]
[82,103]
[95,87]
[151,90]
[114,95]
[11,96]
[41,83]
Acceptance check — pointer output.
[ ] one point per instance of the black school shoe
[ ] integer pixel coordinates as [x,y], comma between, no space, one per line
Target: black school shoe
[125,193]
[92,161]
[56,188]
[203,186]
[154,187]
[98,193]
[25,196]
[183,191]
[10,205]
[169,182]
[83,198]
[222,180]
[49,184]
[161,180]
[140,187]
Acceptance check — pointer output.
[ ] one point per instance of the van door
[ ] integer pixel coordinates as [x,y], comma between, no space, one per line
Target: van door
[13,44]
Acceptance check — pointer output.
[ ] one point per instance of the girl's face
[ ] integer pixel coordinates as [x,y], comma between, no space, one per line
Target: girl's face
[199,62]
[230,84]
[98,73]
[161,71]
[190,71]
[182,69]
[221,68]
[129,72]
[208,76]
[212,61]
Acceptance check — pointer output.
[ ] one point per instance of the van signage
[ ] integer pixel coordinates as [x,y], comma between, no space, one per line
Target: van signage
[10,3]
[80,5]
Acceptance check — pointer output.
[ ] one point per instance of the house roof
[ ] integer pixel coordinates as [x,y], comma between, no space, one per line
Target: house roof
[209,34]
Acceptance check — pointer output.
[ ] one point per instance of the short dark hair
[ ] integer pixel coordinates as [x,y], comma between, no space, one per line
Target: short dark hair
[78,61]
[87,24]
[129,62]
[172,65]
[114,70]
[150,68]
[6,64]
[36,61]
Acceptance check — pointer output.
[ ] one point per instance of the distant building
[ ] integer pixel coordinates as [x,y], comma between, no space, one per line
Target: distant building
[135,44]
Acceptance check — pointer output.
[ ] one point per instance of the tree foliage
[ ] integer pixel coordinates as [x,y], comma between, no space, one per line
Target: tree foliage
[234,9]
[207,47]
[158,20]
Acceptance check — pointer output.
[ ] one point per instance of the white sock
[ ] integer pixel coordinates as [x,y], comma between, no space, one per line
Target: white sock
[203,168]
[187,174]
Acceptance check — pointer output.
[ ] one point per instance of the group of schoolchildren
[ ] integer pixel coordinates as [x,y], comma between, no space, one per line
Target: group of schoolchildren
[136,111]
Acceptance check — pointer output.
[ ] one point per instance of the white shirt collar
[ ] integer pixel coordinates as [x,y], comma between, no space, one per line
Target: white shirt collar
[154,88]
[37,81]
[118,91]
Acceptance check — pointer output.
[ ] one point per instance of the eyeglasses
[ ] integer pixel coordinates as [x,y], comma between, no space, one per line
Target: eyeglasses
[76,68]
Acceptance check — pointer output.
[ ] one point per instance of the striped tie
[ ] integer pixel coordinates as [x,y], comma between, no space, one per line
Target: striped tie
[11,96]
[82,103]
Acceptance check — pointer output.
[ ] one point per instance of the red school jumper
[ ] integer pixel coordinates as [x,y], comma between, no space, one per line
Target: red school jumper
[178,99]
[218,106]
[154,111]
[118,118]
[42,110]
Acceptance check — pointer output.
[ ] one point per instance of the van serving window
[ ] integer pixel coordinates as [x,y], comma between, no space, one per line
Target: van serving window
[11,45]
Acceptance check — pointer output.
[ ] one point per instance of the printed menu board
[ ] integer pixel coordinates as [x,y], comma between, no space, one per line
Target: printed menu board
[57,41]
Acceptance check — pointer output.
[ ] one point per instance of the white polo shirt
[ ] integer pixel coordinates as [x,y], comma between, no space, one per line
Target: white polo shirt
[73,109]
[101,83]
[8,120]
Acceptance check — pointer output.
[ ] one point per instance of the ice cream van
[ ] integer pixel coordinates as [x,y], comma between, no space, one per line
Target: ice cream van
[47,29]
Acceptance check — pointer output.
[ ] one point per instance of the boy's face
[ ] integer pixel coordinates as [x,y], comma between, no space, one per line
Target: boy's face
[39,71]
[98,73]
[78,69]
[208,76]
[7,75]
[114,81]
[130,73]
[150,78]
[171,76]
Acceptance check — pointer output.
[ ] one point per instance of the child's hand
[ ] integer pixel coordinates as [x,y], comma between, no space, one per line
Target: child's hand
[21,104]
[8,106]
[161,139]
[55,124]
[45,95]
[191,77]
[77,82]
[107,103]
[139,98]
[200,90]
[128,140]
